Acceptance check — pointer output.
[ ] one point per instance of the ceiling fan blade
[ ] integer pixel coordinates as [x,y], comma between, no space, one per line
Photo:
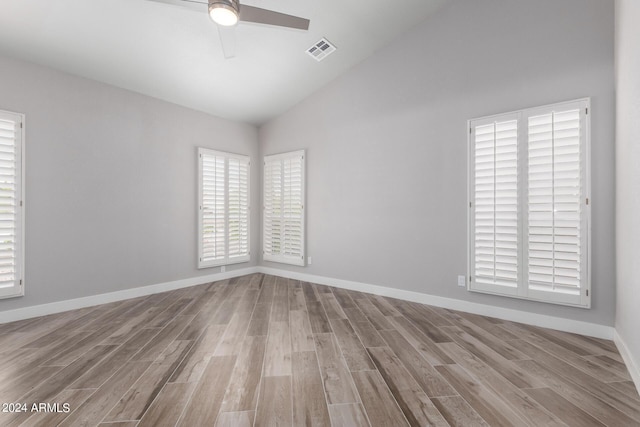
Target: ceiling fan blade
[197,5]
[228,41]
[269,17]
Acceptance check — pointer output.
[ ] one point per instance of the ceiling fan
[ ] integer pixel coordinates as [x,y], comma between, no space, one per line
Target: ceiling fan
[228,13]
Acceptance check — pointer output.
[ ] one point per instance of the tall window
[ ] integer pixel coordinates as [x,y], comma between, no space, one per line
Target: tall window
[529,204]
[11,201]
[223,235]
[283,213]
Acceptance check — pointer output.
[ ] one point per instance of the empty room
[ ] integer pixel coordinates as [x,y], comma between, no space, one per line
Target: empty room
[319,213]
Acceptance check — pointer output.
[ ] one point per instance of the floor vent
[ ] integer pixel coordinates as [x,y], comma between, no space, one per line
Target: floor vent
[321,50]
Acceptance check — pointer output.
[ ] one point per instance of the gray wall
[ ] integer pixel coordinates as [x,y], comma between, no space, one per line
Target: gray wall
[628,176]
[386,143]
[110,184]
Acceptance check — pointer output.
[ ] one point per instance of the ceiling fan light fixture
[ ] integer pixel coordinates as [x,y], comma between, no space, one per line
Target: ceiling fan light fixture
[224,12]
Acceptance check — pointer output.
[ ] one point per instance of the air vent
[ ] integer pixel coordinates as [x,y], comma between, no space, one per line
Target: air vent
[321,50]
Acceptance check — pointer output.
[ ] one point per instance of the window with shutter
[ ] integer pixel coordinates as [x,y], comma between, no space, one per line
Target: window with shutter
[223,236]
[11,209]
[283,213]
[529,212]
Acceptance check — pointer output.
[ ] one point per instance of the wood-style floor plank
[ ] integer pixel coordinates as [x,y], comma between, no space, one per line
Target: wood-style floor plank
[242,393]
[318,317]
[377,400]
[338,385]
[103,370]
[413,401]
[277,358]
[301,334]
[93,410]
[567,412]
[331,306]
[141,395]
[168,406]
[74,398]
[458,412]
[296,296]
[163,339]
[521,403]
[260,320]
[424,373]
[602,391]
[420,341]
[490,407]
[309,404]
[377,319]
[264,350]
[485,353]
[275,405]
[354,353]
[348,415]
[627,387]
[194,364]
[236,419]
[54,385]
[566,352]
[207,398]
[577,396]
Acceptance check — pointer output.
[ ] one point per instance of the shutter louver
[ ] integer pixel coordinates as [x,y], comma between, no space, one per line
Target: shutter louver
[496,203]
[213,208]
[10,210]
[273,224]
[283,238]
[292,207]
[238,208]
[224,208]
[554,199]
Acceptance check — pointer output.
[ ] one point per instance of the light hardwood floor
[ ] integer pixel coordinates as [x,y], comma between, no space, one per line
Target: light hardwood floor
[267,351]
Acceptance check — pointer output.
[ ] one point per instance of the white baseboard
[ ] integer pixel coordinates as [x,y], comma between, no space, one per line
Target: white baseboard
[632,366]
[551,322]
[562,324]
[74,304]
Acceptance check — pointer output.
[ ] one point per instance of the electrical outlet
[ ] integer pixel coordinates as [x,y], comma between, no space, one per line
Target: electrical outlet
[222,269]
[462,281]
[309,261]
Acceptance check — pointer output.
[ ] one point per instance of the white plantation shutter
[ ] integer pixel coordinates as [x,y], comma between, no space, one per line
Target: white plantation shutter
[283,213]
[238,208]
[273,223]
[223,209]
[495,146]
[528,220]
[556,221]
[11,215]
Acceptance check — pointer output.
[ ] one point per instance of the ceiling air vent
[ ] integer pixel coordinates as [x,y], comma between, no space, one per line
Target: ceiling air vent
[321,50]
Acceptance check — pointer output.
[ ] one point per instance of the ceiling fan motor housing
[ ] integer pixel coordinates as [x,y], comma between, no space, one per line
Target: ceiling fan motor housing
[233,5]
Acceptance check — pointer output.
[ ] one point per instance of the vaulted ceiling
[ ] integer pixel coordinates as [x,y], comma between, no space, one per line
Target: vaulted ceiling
[174,53]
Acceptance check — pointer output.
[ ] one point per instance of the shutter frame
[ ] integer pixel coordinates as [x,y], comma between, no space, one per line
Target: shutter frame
[12,130]
[582,296]
[224,182]
[284,212]
[483,283]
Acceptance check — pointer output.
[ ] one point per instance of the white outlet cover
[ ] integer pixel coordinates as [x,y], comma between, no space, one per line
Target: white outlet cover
[461,281]
[309,260]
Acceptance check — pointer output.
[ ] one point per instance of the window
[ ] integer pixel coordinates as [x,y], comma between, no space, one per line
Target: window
[223,214]
[11,211]
[529,204]
[283,213]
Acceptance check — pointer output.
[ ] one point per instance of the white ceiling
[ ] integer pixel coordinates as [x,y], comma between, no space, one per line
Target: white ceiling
[174,53]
